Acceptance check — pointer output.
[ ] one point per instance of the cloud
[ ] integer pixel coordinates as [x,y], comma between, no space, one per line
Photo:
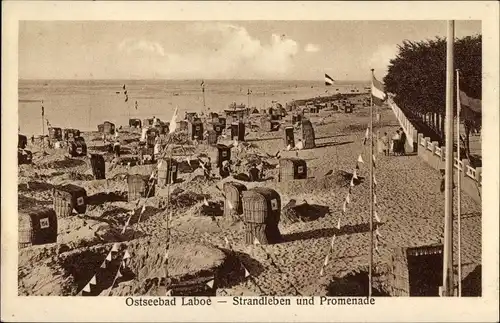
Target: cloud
[312,48]
[132,46]
[381,57]
[217,50]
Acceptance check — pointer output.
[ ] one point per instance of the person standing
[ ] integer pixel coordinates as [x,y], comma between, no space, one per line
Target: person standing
[402,142]
[253,173]
[395,143]
[384,144]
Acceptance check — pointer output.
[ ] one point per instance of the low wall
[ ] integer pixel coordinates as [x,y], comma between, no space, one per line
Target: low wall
[471,178]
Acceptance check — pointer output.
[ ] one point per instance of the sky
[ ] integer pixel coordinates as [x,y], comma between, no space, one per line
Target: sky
[284,50]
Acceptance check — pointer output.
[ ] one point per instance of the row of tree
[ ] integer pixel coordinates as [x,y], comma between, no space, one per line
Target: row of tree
[417,76]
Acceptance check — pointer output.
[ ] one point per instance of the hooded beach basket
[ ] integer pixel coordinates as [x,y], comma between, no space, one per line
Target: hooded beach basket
[55,134]
[70,134]
[139,186]
[100,127]
[167,171]
[238,131]
[195,130]
[218,128]
[261,213]
[308,134]
[98,166]
[212,137]
[69,197]
[109,128]
[291,169]
[37,226]
[222,153]
[77,147]
[22,141]
[135,123]
[289,137]
[24,156]
[232,201]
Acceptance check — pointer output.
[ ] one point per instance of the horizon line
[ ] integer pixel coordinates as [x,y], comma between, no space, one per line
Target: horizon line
[166,79]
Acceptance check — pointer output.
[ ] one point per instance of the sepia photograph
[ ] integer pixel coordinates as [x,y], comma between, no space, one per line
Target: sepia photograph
[250,159]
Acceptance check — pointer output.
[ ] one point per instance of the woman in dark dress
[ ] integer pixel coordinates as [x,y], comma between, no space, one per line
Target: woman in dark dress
[402,142]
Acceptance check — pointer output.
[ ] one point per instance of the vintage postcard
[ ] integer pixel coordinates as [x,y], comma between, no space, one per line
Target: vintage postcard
[250,161]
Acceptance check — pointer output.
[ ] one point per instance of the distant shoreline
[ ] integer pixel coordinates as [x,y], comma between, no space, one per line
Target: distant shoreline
[340,82]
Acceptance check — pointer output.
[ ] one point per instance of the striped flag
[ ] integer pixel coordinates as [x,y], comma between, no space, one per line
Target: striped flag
[328,80]
[378,91]
[202,86]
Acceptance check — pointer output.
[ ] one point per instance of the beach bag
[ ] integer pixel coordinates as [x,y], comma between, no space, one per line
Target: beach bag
[36,226]
[98,166]
[67,198]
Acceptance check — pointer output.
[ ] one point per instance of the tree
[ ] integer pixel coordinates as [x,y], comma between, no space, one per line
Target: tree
[417,76]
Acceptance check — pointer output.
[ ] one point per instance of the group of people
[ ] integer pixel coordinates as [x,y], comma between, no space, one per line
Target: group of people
[396,144]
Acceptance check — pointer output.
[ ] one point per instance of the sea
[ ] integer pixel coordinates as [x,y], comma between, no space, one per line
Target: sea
[83,104]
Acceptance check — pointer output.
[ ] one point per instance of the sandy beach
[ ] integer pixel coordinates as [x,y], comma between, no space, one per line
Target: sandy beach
[410,207]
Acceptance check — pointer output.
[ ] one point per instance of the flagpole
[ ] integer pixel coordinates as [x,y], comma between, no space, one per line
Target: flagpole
[248,98]
[370,269]
[203,90]
[459,202]
[43,128]
[448,286]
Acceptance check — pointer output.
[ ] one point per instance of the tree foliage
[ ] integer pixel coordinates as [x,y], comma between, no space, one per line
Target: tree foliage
[418,73]
[417,76]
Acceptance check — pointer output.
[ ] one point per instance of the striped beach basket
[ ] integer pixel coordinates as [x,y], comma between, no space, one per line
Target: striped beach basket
[232,201]
[308,137]
[261,213]
[291,169]
[289,137]
[37,226]
[139,186]
[98,166]
[167,171]
[67,198]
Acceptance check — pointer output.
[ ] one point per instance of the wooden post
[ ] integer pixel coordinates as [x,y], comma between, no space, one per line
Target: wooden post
[370,268]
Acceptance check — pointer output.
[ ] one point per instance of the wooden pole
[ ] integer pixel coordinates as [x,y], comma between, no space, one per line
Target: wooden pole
[459,202]
[448,285]
[370,269]
[43,128]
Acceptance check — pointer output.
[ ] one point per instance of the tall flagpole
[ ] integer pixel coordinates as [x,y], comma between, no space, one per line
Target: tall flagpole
[248,98]
[43,128]
[370,269]
[459,202]
[203,90]
[448,286]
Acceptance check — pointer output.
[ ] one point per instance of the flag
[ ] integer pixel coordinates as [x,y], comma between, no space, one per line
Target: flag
[173,121]
[136,105]
[378,91]
[248,92]
[43,111]
[328,80]
[467,101]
